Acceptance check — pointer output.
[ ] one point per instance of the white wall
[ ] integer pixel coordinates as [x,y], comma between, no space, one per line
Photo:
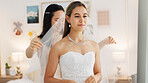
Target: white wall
[124,33]
[133,34]
[117,29]
[124,17]
[11,12]
[15,11]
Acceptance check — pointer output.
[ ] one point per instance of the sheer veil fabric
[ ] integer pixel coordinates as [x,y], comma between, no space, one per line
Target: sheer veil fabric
[53,35]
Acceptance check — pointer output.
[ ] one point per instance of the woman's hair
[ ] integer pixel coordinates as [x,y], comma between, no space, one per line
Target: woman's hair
[69,10]
[48,14]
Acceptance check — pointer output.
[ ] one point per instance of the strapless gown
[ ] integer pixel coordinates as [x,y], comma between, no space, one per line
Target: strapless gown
[77,67]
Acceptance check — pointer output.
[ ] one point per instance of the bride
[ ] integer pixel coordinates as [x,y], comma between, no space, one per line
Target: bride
[78,57]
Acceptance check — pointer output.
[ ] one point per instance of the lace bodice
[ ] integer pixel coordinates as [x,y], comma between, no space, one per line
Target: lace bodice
[77,67]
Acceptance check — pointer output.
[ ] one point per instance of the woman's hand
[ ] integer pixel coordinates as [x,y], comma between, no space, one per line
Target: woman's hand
[110,40]
[106,41]
[35,43]
[91,79]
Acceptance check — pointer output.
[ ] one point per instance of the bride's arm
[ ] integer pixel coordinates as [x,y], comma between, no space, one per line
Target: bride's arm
[97,67]
[52,66]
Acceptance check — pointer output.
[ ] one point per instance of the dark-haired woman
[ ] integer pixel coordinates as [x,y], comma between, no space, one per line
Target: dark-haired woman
[52,13]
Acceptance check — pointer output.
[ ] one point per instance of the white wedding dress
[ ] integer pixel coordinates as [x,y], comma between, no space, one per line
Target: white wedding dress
[77,67]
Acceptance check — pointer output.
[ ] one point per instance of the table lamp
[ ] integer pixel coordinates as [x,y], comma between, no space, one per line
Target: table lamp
[17,57]
[118,57]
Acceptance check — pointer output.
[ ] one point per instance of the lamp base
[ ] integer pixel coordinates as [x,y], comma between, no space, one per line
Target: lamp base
[118,71]
[18,70]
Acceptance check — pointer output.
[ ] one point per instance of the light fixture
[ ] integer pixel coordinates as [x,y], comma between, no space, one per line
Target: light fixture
[17,57]
[118,57]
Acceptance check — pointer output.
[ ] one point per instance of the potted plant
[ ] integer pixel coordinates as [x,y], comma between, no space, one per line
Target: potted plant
[7,69]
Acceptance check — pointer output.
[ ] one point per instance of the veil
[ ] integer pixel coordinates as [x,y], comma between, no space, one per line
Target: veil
[53,35]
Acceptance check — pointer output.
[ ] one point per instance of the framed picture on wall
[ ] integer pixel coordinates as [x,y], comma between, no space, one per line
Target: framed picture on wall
[103,18]
[44,5]
[32,14]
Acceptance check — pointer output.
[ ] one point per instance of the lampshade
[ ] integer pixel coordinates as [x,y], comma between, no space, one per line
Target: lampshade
[17,56]
[118,56]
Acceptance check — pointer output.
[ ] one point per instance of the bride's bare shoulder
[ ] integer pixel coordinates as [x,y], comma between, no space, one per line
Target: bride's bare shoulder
[60,44]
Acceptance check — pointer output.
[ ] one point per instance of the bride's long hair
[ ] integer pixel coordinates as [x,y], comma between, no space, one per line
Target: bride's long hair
[69,10]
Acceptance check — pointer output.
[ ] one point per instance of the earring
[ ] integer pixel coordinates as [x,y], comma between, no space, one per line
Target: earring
[69,25]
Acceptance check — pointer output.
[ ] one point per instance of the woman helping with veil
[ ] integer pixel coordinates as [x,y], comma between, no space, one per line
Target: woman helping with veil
[40,46]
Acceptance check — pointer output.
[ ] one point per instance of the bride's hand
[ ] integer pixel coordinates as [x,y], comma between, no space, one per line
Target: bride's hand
[91,79]
[71,81]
